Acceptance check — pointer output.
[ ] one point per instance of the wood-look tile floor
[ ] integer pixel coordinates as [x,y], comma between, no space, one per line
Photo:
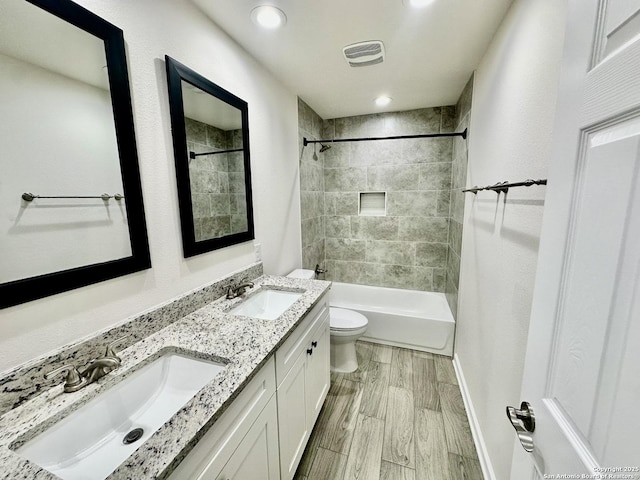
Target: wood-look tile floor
[400,416]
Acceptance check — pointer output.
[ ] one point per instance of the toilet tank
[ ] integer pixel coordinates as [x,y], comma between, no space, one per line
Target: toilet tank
[302,273]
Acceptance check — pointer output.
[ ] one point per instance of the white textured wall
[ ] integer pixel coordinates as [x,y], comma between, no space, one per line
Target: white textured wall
[511,123]
[153,28]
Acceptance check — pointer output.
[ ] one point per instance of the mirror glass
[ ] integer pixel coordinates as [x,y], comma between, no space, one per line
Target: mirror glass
[211,148]
[70,189]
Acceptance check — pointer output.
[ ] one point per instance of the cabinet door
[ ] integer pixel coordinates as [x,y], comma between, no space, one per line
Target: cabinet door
[300,338]
[318,376]
[256,458]
[216,447]
[292,417]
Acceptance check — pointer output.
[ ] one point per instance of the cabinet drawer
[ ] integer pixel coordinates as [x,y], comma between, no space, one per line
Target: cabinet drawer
[215,448]
[300,339]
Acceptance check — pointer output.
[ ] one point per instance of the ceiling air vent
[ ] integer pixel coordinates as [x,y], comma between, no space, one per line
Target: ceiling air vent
[364,54]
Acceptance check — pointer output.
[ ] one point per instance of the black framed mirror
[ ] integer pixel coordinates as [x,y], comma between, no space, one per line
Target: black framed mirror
[210,128]
[71,195]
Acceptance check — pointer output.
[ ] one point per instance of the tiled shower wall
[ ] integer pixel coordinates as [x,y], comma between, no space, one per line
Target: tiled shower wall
[409,246]
[458,182]
[217,181]
[311,188]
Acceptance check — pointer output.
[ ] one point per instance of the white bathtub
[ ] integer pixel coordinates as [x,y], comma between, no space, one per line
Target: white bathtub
[402,318]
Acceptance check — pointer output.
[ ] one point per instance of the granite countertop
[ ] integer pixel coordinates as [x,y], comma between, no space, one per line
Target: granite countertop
[247,343]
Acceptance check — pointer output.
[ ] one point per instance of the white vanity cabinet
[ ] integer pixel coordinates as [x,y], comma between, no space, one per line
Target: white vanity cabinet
[263,433]
[243,443]
[302,373]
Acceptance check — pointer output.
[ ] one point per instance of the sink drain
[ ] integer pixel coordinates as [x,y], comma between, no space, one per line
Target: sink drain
[133,436]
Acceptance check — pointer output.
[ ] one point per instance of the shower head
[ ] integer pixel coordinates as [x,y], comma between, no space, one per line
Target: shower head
[324,148]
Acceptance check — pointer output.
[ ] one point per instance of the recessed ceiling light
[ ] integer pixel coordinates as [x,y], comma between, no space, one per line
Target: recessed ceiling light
[383,100]
[417,3]
[268,16]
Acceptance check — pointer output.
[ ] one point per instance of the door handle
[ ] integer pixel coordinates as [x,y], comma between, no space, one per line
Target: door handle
[524,422]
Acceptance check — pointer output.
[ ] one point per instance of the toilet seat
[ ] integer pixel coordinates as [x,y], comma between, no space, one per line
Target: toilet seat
[343,320]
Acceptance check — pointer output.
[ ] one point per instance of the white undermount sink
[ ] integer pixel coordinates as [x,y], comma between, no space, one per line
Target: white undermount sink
[90,442]
[266,304]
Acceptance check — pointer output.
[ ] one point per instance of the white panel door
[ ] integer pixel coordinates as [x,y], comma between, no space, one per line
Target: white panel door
[582,371]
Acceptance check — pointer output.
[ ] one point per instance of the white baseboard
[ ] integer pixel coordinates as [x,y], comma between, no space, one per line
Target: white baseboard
[483,455]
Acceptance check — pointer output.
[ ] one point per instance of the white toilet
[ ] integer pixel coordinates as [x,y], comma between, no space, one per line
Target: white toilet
[345,327]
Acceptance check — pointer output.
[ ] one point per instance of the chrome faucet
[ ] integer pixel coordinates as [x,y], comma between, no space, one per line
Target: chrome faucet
[236,291]
[91,372]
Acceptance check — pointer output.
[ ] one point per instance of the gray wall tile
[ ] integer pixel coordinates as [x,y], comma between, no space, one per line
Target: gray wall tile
[338,227]
[337,156]
[413,204]
[311,204]
[448,121]
[345,179]
[239,223]
[457,198]
[338,203]
[435,176]
[312,178]
[374,228]
[453,267]
[196,131]
[220,204]
[310,125]
[419,229]
[427,150]
[424,279]
[313,255]
[399,177]
[236,182]
[395,276]
[201,205]
[215,226]
[455,236]
[328,128]
[443,203]
[346,272]
[431,254]
[238,203]
[390,252]
[463,107]
[216,138]
[439,279]
[346,249]
[381,152]
[413,122]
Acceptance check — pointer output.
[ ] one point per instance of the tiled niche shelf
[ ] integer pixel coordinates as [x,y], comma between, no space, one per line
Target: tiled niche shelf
[372,204]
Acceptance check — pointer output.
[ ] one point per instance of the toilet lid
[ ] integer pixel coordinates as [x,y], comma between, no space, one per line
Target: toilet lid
[343,319]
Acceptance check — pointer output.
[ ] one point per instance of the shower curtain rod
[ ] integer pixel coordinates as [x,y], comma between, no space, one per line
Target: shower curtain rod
[504,186]
[397,137]
[194,154]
